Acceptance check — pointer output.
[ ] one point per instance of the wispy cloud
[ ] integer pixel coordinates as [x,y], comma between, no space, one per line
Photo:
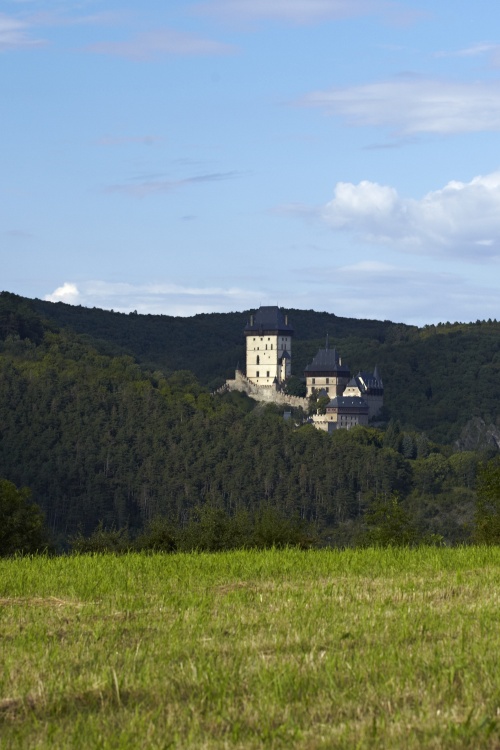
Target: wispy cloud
[140,189]
[459,220]
[153,44]
[303,11]
[20,31]
[410,105]
[475,50]
[72,16]
[16,34]
[119,140]
[154,298]
[369,289]
[366,289]
[19,234]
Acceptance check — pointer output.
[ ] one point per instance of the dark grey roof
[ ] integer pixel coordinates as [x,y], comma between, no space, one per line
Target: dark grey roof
[348,402]
[268,319]
[285,355]
[353,383]
[327,360]
[370,379]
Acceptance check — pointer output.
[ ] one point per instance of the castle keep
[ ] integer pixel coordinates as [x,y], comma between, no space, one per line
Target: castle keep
[269,346]
[352,400]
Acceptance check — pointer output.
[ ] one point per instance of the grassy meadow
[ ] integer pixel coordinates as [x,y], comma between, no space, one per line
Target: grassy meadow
[321,649]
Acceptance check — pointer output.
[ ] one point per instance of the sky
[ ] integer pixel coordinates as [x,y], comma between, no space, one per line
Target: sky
[197,156]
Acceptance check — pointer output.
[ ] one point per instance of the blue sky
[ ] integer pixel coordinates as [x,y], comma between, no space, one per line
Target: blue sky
[216,155]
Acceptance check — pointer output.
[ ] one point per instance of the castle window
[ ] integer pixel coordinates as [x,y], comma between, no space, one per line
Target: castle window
[266,346]
[257,373]
[314,381]
[258,359]
[327,380]
[268,373]
[271,346]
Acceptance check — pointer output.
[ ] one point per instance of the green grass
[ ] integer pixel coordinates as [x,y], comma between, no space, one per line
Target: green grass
[321,649]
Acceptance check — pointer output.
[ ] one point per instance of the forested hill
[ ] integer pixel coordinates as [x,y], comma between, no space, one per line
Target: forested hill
[102,429]
[436,379]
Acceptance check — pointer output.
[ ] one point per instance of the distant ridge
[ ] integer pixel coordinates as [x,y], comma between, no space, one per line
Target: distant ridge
[437,378]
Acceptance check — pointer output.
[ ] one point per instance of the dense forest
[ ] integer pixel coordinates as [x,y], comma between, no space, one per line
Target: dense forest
[110,419]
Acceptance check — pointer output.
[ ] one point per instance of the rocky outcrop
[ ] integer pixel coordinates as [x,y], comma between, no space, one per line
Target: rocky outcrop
[477,435]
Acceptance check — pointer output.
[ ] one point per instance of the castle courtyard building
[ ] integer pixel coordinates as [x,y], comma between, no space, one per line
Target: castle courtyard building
[327,373]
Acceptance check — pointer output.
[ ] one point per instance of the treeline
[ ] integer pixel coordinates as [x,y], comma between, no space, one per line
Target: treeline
[210,527]
[100,440]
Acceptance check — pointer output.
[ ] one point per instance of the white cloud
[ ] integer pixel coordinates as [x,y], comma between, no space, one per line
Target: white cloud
[152,44]
[461,219]
[68,293]
[15,34]
[302,11]
[155,298]
[411,105]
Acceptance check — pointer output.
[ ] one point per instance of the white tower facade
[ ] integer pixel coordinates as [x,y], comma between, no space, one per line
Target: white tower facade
[269,347]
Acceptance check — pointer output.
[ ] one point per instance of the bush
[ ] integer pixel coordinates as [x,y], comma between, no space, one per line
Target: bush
[158,536]
[102,540]
[487,515]
[22,527]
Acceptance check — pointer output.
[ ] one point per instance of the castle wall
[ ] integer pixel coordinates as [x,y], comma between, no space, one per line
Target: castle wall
[375,404]
[266,393]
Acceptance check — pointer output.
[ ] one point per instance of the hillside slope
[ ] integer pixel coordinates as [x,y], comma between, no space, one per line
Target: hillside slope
[436,379]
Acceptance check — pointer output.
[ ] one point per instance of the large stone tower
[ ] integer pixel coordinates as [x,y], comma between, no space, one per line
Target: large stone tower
[269,346]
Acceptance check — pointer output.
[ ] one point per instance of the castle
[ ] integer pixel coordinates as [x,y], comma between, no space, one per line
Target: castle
[351,400]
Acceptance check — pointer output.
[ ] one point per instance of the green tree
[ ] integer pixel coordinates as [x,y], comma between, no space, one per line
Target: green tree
[487,515]
[295,386]
[389,524]
[22,527]
[274,529]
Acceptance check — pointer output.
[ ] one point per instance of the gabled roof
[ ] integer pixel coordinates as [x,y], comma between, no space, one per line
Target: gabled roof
[327,361]
[353,383]
[267,320]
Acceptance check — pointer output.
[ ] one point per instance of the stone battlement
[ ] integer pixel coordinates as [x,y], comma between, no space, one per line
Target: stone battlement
[266,393]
